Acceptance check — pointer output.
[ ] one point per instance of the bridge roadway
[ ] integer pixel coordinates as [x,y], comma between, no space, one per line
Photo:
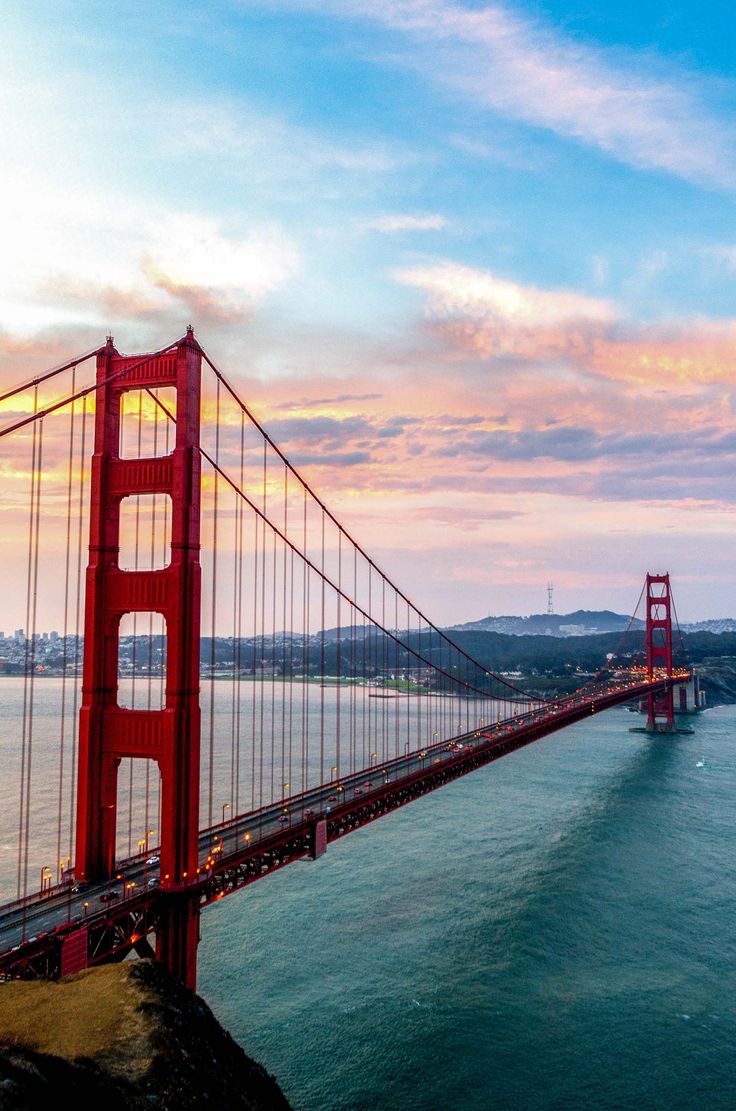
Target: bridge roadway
[120,912]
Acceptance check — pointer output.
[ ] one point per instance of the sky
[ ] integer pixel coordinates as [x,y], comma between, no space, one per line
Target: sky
[472,265]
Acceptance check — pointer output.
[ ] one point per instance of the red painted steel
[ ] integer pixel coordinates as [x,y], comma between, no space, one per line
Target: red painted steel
[108,732]
[74,952]
[661,708]
[320,838]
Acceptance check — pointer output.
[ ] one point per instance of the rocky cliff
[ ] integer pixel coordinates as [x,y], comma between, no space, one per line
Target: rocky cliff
[120,1037]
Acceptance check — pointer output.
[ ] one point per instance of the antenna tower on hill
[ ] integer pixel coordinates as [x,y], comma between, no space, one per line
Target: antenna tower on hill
[550,603]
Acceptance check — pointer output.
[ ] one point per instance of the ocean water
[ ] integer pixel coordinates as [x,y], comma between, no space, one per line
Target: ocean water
[288,742]
[556,931]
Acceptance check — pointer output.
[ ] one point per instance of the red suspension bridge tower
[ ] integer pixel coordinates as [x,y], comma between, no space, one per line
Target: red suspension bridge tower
[661,707]
[109,732]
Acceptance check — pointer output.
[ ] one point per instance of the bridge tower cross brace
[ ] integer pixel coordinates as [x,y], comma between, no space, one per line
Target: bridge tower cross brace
[108,732]
[661,707]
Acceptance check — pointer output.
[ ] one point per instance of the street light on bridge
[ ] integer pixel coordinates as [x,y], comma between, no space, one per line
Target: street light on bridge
[225,806]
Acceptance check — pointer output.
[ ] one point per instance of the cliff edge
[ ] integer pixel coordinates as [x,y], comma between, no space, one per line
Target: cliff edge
[125,1034]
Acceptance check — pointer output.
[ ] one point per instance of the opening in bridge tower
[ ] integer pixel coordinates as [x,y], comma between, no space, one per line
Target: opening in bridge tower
[661,709]
[109,732]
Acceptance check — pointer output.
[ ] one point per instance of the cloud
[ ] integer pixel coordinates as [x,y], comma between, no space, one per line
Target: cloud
[688,352]
[330,459]
[269,146]
[164,261]
[480,295]
[319,429]
[322,402]
[725,254]
[191,251]
[187,252]
[480,315]
[407,222]
[461,517]
[629,105]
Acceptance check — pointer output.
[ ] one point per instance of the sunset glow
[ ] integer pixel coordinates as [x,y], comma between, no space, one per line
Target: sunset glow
[472,266]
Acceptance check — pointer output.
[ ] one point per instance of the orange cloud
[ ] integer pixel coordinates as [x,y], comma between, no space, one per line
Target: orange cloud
[479,315]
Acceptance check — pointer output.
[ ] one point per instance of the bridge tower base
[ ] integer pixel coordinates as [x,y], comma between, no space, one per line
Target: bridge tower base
[178,937]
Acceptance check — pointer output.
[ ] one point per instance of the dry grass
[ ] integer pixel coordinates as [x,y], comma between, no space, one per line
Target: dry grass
[94,1014]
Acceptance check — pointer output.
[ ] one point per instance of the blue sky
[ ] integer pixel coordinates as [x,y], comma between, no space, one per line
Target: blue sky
[486,253]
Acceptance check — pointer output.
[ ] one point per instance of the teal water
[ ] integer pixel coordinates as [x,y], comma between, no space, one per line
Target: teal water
[556,931]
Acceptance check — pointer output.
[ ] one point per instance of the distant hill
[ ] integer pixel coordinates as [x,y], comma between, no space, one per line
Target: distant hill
[579,623]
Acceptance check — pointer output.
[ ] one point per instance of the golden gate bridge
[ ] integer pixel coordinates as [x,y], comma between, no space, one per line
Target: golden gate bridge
[253,684]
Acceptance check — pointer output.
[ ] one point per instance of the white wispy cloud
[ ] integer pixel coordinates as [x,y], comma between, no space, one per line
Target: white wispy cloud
[270,146]
[725,253]
[407,222]
[453,289]
[87,258]
[189,252]
[637,108]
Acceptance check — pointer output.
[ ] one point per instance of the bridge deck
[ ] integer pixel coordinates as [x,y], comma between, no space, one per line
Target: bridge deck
[118,915]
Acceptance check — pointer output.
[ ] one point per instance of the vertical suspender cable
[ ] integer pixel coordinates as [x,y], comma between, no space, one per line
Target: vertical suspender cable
[322,660]
[77,621]
[34,610]
[135,627]
[237,504]
[285,777]
[306,653]
[65,633]
[338,667]
[149,695]
[254,659]
[273,667]
[213,618]
[263,626]
[26,650]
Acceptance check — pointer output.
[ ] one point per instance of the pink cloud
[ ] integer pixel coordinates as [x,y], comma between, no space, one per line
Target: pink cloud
[450,447]
[455,290]
[479,314]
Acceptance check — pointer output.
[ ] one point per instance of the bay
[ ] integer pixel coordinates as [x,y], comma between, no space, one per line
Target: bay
[554,931]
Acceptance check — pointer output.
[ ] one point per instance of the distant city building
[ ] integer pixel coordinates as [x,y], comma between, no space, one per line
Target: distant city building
[716,625]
